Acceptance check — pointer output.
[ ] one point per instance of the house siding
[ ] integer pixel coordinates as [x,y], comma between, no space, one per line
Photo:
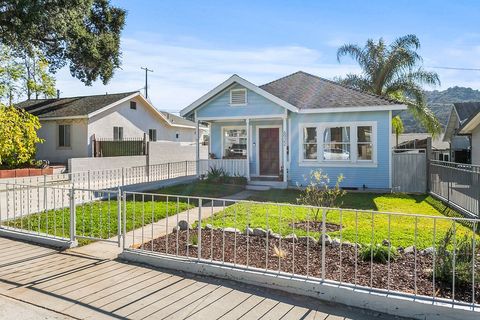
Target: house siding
[256,106]
[476,146]
[49,150]
[372,177]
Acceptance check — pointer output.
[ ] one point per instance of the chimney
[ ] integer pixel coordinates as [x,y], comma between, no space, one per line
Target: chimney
[58,93]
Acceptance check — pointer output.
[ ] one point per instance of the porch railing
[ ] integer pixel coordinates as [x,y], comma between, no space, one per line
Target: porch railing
[234,167]
[457,184]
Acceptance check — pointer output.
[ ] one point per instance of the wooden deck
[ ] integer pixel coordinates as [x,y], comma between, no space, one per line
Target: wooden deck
[86,287]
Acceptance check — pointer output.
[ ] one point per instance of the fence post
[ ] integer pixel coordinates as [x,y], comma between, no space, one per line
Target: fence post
[123,176]
[186,168]
[44,190]
[72,215]
[324,230]
[199,236]
[119,216]
[168,170]
[89,183]
[124,220]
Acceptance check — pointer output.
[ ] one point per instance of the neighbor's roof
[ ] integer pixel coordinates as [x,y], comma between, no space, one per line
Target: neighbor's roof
[72,106]
[306,91]
[176,120]
[466,110]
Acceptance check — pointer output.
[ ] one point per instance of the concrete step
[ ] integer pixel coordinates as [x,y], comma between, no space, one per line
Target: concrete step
[257,187]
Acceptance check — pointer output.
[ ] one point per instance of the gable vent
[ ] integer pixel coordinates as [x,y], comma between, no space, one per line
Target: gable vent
[238,97]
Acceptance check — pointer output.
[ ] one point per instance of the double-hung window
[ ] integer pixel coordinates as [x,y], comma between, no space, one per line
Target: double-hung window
[117,133]
[309,143]
[64,135]
[152,134]
[364,143]
[336,143]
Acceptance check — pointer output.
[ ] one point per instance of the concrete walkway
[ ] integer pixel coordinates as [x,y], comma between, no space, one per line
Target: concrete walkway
[85,287]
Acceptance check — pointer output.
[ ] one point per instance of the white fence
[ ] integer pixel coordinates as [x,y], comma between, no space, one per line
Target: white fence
[234,167]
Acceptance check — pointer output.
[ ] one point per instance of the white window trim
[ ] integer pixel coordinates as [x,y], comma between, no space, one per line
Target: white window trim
[59,147]
[238,104]
[353,162]
[223,136]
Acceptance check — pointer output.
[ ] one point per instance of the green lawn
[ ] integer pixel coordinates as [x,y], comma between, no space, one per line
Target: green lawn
[201,189]
[99,218]
[402,230]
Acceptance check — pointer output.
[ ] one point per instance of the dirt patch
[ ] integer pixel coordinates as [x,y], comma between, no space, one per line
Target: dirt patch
[304,257]
[315,226]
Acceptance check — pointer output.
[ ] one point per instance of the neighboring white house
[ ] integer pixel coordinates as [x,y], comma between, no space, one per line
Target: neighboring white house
[460,132]
[69,125]
[471,127]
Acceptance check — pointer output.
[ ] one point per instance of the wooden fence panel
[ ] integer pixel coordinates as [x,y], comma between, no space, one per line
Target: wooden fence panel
[409,172]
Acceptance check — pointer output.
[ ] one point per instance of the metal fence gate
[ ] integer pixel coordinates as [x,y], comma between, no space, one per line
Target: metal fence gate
[409,171]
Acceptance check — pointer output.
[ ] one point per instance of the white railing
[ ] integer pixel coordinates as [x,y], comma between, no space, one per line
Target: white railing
[234,167]
[432,259]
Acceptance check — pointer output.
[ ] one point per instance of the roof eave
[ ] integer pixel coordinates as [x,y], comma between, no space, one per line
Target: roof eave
[355,109]
[470,125]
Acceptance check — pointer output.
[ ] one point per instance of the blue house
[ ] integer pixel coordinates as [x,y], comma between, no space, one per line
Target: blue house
[279,132]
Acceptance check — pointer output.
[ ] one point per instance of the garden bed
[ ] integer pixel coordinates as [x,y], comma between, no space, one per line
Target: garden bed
[303,257]
[24,172]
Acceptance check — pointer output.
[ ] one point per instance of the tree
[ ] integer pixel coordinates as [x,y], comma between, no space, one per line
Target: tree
[83,33]
[18,136]
[398,128]
[36,79]
[393,71]
[11,72]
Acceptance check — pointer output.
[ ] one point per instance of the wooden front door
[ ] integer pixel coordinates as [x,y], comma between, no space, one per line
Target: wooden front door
[269,149]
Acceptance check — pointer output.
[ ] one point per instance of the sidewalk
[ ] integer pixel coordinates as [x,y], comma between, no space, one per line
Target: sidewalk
[11,309]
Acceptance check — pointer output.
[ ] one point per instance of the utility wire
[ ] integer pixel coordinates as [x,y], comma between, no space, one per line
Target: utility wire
[454,68]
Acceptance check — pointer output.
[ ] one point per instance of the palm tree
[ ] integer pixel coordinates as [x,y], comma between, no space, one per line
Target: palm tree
[393,71]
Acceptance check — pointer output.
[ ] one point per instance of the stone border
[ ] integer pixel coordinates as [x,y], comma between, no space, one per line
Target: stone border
[389,303]
[39,239]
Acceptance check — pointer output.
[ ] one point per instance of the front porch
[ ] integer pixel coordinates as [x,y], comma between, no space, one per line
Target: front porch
[255,148]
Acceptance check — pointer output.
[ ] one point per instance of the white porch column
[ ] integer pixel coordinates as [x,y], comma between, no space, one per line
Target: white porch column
[247,122]
[284,146]
[197,145]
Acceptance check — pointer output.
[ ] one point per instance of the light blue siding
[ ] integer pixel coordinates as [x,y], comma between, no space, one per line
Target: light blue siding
[256,106]
[372,177]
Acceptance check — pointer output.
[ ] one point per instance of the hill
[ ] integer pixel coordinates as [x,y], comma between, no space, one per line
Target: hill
[440,102]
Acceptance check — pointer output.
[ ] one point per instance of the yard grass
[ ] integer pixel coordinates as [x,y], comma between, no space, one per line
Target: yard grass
[98,218]
[401,230]
[201,189]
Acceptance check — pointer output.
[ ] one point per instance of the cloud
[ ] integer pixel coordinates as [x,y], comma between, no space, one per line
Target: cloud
[184,73]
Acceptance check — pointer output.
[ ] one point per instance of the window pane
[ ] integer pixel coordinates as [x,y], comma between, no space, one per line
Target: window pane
[365,151]
[235,143]
[120,133]
[364,134]
[67,136]
[61,136]
[336,151]
[310,151]
[337,134]
[310,135]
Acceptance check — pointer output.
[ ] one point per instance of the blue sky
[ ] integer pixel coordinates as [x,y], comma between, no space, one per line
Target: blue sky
[194,45]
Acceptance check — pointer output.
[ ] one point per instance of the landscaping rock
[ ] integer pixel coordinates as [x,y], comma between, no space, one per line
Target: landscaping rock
[259,232]
[410,249]
[400,249]
[208,227]
[385,243]
[335,242]
[328,240]
[291,237]
[274,235]
[183,225]
[429,250]
[249,231]
[305,239]
[230,229]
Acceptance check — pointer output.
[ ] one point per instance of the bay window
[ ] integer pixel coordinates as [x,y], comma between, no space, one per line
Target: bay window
[330,143]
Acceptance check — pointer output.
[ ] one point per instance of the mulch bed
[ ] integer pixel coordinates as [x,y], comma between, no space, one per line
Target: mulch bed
[315,226]
[253,253]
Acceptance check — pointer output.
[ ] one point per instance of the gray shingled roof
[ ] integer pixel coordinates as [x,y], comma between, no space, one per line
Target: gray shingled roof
[173,119]
[306,91]
[72,106]
[466,110]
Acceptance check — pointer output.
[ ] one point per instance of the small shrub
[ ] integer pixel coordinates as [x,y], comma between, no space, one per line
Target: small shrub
[464,259]
[379,253]
[216,175]
[238,180]
[193,240]
[318,193]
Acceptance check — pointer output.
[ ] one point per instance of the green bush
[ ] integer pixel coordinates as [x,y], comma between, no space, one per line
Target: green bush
[219,175]
[379,253]
[464,259]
